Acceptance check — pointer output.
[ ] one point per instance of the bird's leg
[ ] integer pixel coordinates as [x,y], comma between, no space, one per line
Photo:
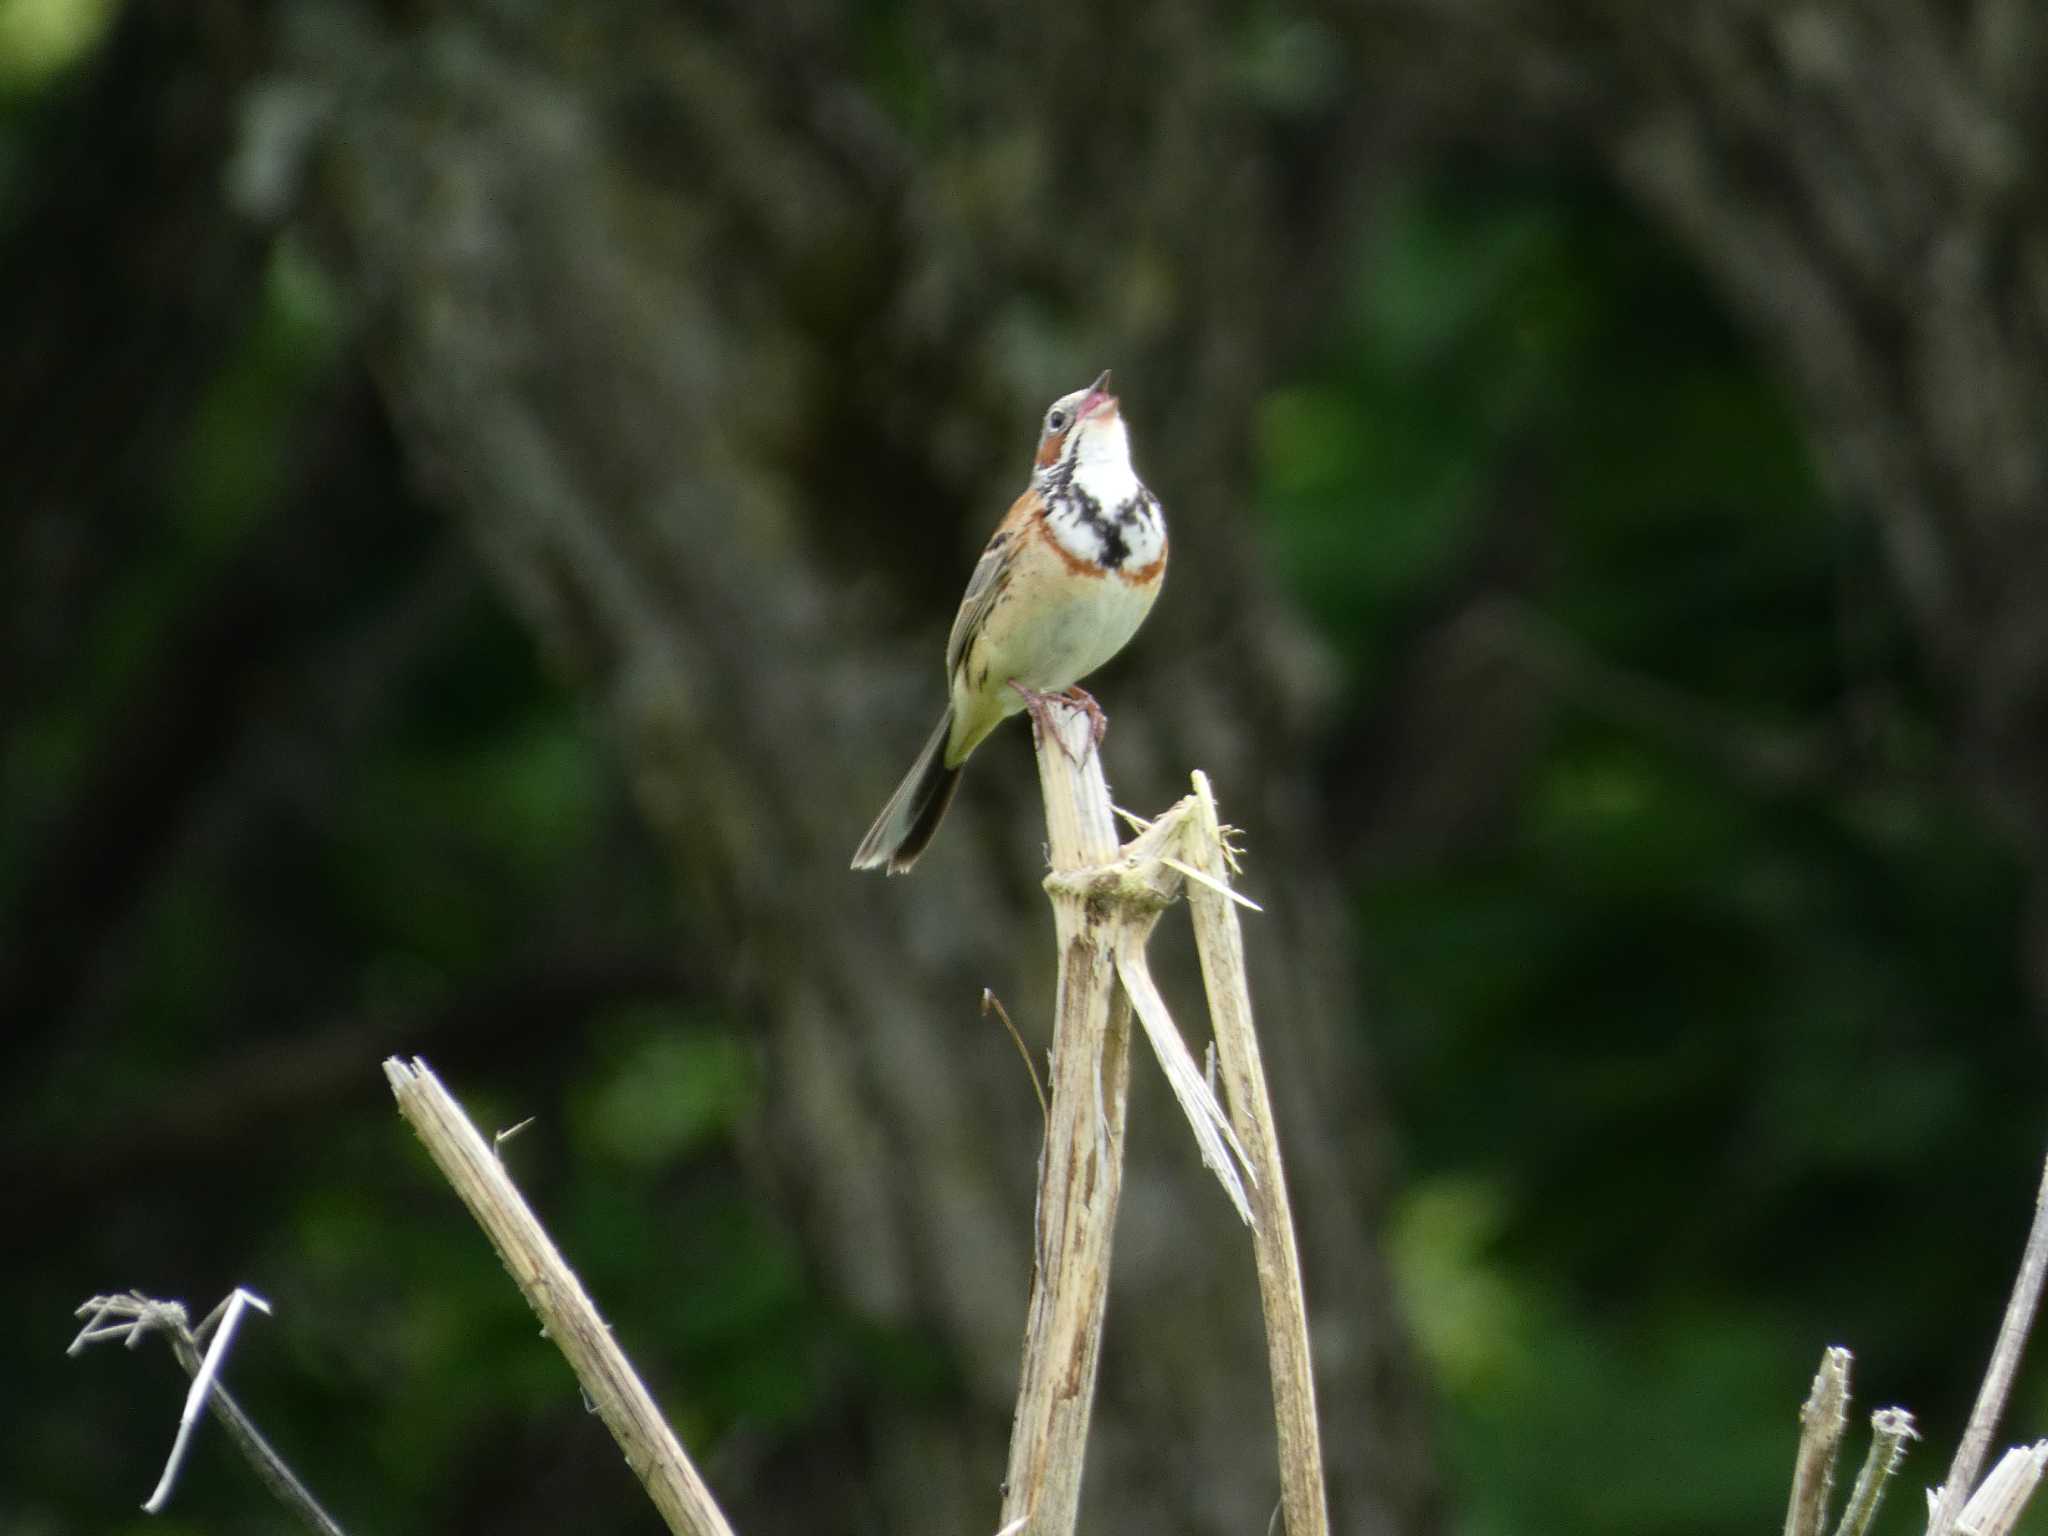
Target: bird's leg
[1035,703]
[1098,722]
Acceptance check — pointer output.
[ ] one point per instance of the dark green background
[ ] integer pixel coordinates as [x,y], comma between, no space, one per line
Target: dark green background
[1702,1029]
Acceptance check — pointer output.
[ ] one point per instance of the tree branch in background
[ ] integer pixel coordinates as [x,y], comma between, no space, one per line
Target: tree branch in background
[247,656]
[223,1107]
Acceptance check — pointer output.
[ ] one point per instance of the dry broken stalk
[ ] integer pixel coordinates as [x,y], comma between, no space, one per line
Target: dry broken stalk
[557,1297]
[1106,901]
[1220,944]
[2005,1359]
[1995,1508]
[1890,1429]
[133,1317]
[1822,1420]
[1081,1169]
[1961,1506]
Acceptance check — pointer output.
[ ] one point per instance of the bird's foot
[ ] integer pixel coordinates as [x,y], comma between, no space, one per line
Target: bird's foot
[1098,722]
[1038,706]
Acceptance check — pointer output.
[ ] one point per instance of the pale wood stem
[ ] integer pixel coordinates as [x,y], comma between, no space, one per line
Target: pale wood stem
[1890,1430]
[1822,1421]
[1081,1168]
[557,1297]
[2005,1359]
[1220,944]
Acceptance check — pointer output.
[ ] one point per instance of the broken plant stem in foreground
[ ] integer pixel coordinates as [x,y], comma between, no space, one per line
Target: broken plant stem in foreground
[131,1318]
[1080,1170]
[2005,1360]
[1106,901]
[557,1297]
[1822,1419]
[1220,944]
[1961,1506]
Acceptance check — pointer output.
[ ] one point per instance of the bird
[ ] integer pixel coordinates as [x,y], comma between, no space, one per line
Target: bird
[1065,580]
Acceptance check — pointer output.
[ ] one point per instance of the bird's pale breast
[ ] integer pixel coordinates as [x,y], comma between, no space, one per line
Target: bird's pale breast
[1055,621]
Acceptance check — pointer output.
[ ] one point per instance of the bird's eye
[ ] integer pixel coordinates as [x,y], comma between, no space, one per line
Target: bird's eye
[1055,419]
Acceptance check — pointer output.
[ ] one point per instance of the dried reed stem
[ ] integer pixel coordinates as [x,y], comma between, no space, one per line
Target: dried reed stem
[1081,1168]
[1822,1421]
[557,1297]
[1220,943]
[1106,901]
[2005,1359]
[1890,1429]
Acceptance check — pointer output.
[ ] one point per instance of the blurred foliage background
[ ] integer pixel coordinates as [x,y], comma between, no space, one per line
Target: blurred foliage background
[1693,966]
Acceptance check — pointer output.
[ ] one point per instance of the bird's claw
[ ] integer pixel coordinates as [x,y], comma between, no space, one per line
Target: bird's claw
[1035,704]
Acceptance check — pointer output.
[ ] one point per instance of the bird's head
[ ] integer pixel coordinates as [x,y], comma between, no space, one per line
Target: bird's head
[1084,435]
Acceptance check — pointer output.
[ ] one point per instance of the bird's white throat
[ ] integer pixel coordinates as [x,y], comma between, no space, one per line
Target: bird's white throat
[1103,512]
[1102,464]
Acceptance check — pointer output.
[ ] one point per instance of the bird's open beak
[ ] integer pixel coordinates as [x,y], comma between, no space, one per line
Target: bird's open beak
[1100,401]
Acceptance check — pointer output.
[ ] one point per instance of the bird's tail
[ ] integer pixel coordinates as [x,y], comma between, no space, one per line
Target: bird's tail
[913,813]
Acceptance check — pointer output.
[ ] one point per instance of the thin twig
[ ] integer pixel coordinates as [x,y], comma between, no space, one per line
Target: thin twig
[1218,1142]
[990,1003]
[203,1380]
[1822,1421]
[2005,1359]
[1218,886]
[139,1316]
[1890,1429]
[557,1297]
